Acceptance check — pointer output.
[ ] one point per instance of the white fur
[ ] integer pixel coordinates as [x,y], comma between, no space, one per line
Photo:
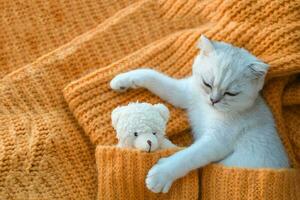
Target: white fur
[145,120]
[235,131]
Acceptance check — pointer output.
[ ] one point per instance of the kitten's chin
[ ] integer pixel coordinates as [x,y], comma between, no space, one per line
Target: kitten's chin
[230,109]
[222,109]
[227,108]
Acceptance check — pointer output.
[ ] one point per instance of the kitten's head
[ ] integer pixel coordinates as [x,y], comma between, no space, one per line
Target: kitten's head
[229,78]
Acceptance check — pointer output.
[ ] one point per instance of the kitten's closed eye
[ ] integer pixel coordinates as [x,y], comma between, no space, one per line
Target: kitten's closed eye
[231,94]
[206,84]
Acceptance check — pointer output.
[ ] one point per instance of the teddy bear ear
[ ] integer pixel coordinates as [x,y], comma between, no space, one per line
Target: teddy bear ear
[163,111]
[115,115]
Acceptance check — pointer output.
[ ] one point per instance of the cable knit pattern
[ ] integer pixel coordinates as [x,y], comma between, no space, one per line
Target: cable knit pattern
[222,183]
[130,168]
[56,61]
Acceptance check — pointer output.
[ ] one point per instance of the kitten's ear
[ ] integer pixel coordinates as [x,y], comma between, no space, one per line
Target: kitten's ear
[258,68]
[205,45]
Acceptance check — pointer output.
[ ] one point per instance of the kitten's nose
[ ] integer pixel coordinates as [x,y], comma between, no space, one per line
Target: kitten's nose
[149,142]
[213,101]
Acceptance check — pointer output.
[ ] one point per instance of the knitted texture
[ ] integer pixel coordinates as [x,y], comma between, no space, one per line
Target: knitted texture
[57,58]
[222,183]
[130,168]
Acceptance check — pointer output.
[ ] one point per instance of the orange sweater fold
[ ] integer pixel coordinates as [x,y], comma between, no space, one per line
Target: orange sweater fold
[56,61]
[222,183]
[122,172]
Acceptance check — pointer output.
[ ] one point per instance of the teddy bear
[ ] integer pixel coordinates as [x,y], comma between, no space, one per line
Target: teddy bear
[141,126]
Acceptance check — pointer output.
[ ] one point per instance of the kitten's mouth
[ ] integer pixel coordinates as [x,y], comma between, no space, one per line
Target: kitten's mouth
[215,106]
[212,104]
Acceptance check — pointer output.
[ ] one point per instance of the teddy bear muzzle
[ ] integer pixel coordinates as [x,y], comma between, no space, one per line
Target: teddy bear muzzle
[146,142]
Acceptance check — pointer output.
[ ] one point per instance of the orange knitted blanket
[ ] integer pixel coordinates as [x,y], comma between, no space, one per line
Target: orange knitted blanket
[57,58]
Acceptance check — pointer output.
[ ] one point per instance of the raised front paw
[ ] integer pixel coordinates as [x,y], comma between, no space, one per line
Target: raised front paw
[160,178]
[124,81]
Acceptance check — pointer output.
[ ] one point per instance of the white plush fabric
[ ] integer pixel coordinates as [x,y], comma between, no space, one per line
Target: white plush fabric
[141,126]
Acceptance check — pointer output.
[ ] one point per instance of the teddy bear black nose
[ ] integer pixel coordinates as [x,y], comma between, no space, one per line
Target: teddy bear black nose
[149,142]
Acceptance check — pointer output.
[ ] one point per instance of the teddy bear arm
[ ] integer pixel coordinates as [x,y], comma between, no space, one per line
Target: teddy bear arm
[167,144]
[120,144]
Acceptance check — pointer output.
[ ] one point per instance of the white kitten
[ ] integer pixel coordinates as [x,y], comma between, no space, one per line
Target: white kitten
[231,123]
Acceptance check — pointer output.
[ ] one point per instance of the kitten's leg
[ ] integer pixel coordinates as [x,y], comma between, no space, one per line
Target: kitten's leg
[171,90]
[204,151]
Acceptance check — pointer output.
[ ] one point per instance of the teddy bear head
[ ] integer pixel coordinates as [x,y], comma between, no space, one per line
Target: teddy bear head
[140,125]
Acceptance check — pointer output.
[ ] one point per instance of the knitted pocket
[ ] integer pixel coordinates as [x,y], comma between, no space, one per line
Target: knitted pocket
[122,173]
[223,183]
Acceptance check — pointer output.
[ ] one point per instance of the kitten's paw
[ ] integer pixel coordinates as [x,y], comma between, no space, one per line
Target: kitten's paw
[121,82]
[124,81]
[159,178]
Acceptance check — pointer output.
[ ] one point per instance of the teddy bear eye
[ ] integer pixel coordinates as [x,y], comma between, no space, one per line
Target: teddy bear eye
[154,133]
[135,134]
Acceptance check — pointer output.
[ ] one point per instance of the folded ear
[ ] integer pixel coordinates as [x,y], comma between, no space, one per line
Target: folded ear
[115,115]
[205,45]
[258,68]
[163,111]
